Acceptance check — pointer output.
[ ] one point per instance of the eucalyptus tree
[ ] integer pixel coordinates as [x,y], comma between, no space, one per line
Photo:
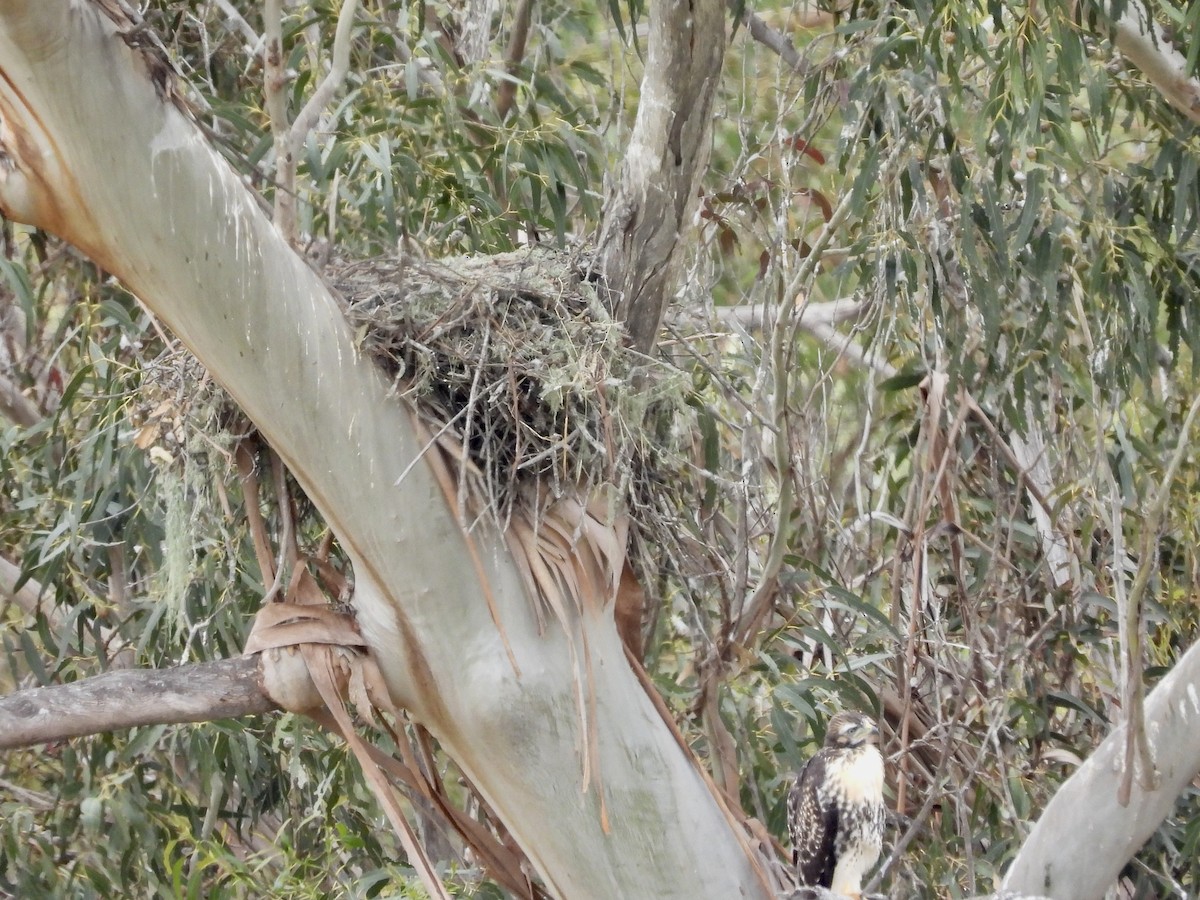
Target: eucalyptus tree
[901,292]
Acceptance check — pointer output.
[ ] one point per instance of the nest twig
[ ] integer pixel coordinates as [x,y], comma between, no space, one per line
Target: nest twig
[513,354]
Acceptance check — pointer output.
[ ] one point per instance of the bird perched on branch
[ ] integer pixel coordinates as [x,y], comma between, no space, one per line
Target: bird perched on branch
[835,809]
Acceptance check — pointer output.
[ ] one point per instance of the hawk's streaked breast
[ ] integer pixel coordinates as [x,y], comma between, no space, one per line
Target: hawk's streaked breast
[835,809]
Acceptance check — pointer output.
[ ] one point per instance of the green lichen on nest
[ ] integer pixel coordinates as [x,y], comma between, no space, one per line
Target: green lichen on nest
[515,355]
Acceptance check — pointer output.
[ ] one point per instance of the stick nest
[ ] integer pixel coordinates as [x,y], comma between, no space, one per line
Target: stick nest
[514,356]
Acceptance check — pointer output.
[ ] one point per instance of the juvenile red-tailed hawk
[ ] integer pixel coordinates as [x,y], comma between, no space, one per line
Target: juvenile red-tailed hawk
[835,809]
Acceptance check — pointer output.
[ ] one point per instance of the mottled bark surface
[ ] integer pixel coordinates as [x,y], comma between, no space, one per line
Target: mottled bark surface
[652,200]
[202,692]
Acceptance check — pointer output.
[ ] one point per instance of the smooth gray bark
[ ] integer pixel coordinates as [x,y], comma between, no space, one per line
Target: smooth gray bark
[1084,836]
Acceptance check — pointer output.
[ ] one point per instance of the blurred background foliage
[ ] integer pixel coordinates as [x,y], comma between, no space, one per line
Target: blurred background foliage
[928,505]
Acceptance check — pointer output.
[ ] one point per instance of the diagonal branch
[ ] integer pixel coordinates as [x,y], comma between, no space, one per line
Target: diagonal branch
[31,597]
[35,599]
[1085,835]
[772,39]
[1144,43]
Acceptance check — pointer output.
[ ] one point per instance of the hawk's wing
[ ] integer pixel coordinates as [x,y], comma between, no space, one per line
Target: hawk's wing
[813,823]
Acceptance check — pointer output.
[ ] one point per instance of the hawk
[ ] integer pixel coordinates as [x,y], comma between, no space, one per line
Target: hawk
[835,809]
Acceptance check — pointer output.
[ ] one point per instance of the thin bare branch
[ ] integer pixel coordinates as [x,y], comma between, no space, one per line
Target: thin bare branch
[788,321]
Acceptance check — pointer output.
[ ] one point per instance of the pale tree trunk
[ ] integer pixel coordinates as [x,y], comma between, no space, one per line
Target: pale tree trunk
[91,152]
[1085,836]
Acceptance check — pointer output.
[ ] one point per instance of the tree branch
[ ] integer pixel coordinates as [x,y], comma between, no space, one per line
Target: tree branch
[290,138]
[507,92]
[15,406]
[805,15]
[239,24]
[845,346]
[1085,836]
[829,312]
[772,39]
[306,121]
[1144,43]
[31,597]
[667,154]
[1029,449]
[275,101]
[201,692]
[34,599]
[1132,625]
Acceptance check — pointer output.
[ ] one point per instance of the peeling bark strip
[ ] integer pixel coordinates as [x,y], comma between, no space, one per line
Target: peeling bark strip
[667,155]
[197,693]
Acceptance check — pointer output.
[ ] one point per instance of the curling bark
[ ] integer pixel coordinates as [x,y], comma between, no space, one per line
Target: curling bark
[92,152]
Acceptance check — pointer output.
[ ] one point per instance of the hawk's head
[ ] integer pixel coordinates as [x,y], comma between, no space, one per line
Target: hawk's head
[851,729]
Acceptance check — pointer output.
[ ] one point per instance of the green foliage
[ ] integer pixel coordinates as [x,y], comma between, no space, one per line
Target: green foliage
[414,146]
[223,809]
[1021,217]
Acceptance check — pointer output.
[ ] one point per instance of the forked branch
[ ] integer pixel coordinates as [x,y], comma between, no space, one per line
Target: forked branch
[290,137]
